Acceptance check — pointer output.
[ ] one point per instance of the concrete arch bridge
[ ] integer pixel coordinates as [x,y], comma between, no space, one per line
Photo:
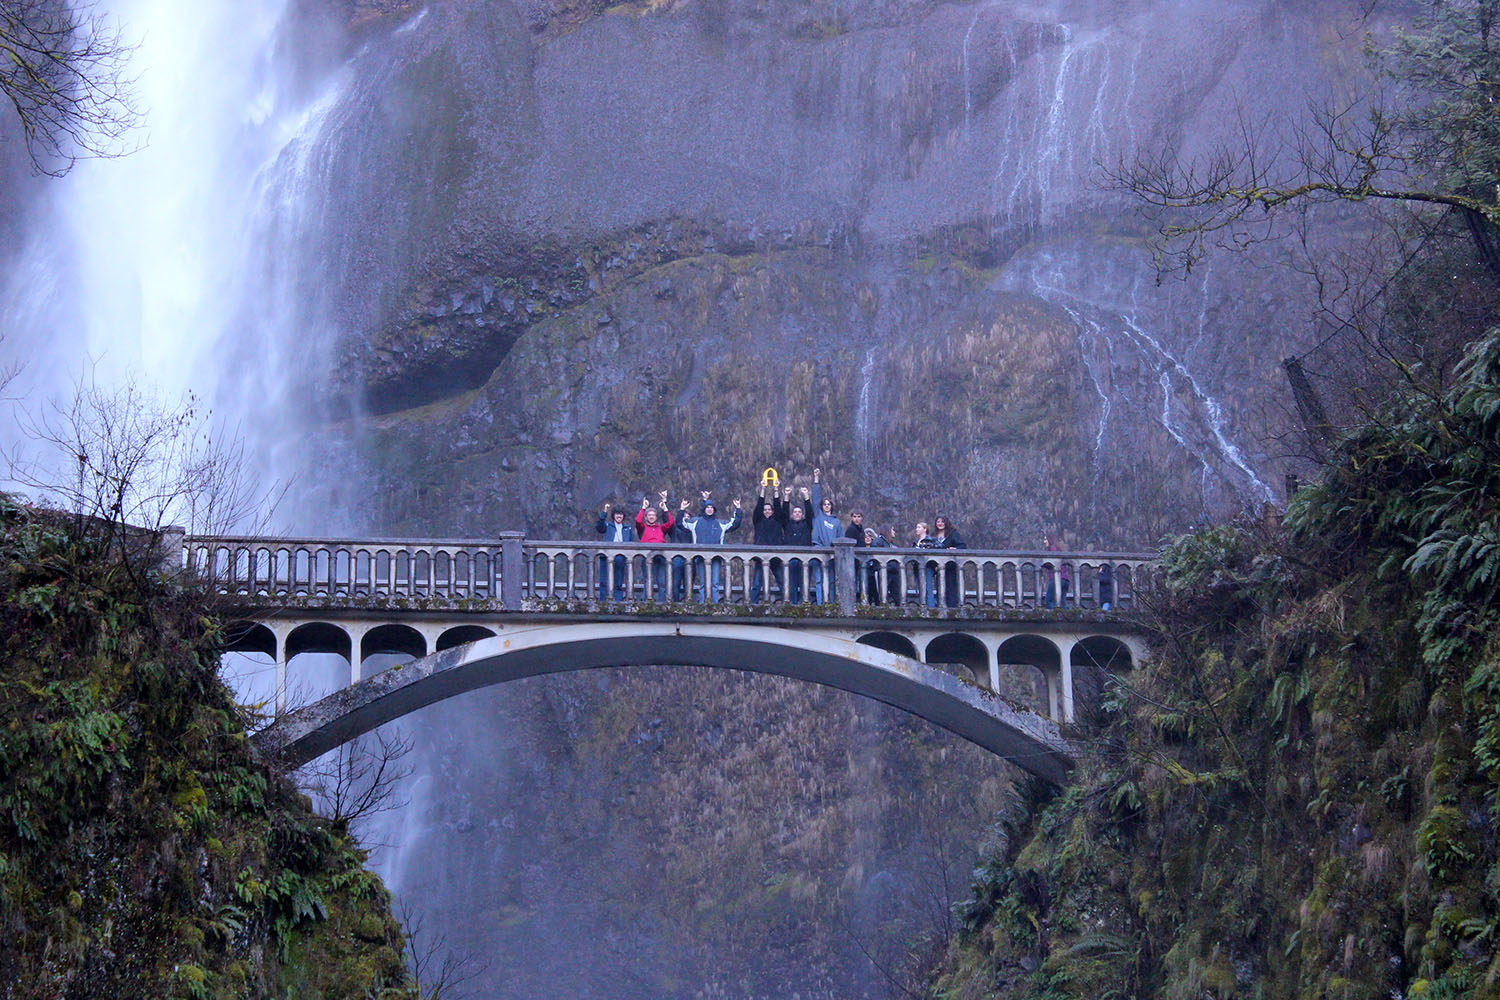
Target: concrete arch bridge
[951,637]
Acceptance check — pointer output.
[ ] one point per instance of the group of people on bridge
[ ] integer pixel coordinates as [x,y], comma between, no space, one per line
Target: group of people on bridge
[778,521]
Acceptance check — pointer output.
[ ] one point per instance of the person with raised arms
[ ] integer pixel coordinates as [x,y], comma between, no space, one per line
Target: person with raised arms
[652,528]
[769,523]
[825,528]
[707,529]
[798,534]
[616,531]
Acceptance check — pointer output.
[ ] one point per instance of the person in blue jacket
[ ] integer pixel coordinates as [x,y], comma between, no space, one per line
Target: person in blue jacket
[707,529]
[616,531]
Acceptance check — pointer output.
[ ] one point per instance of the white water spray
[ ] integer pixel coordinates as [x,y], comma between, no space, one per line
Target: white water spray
[1227,448]
[862,413]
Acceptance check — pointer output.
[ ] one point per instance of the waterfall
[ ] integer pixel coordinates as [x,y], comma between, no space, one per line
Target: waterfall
[1105,300]
[168,266]
[862,413]
[1215,411]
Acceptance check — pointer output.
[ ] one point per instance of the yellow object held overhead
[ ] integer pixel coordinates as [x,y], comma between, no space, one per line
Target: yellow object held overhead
[770,478]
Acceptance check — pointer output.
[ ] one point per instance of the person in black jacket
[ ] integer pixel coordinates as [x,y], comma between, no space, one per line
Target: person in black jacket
[615,529]
[948,537]
[856,531]
[769,525]
[798,534]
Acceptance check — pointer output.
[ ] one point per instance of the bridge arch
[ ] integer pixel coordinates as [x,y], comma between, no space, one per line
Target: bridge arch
[891,642]
[1041,654]
[460,634]
[1104,652]
[395,639]
[964,650]
[249,637]
[319,637]
[1029,740]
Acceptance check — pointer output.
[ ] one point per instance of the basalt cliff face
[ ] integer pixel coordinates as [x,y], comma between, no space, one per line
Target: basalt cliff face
[575,252]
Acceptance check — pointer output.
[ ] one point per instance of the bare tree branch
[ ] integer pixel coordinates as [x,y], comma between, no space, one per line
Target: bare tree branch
[437,972]
[361,778]
[1431,139]
[127,465]
[62,68]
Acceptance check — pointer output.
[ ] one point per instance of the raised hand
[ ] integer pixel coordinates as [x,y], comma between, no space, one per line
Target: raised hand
[645,502]
[786,493]
[816,473]
[806,493]
[683,505]
[704,494]
[606,508]
[736,504]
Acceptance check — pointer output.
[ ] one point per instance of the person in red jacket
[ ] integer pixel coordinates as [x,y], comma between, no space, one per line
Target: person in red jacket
[652,525]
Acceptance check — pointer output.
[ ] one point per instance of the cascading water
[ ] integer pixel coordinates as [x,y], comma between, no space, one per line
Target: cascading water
[1104,296]
[866,403]
[170,265]
[181,267]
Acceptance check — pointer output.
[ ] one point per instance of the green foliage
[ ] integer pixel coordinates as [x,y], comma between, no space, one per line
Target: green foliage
[1450,64]
[1297,793]
[145,850]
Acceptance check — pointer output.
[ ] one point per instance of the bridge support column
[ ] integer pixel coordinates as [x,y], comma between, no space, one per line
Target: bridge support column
[843,569]
[280,698]
[1065,670]
[512,569]
[356,652]
[169,551]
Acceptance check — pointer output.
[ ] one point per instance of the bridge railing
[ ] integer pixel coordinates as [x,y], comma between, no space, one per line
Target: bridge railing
[346,569]
[516,574]
[740,575]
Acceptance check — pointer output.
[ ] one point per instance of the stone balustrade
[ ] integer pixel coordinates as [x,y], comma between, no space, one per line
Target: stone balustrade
[517,574]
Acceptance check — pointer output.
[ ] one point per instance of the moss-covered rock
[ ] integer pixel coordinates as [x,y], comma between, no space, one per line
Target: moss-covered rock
[146,850]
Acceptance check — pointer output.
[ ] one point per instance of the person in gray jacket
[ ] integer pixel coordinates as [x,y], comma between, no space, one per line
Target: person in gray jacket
[825,528]
[707,529]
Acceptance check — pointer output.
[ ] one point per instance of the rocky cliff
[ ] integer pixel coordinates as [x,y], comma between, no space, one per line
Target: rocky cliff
[1297,796]
[672,243]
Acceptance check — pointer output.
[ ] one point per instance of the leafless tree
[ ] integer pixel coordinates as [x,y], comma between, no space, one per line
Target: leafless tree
[1233,197]
[360,779]
[437,972]
[1384,198]
[63,69]
[126,465]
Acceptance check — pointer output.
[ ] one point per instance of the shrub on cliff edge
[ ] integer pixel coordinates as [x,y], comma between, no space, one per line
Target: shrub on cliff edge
[146,850]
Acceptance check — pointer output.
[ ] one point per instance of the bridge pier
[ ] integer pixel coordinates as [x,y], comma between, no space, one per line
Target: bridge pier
[1065,668]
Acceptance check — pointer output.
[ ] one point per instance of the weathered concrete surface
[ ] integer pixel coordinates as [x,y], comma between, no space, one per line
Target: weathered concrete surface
[1030,741]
